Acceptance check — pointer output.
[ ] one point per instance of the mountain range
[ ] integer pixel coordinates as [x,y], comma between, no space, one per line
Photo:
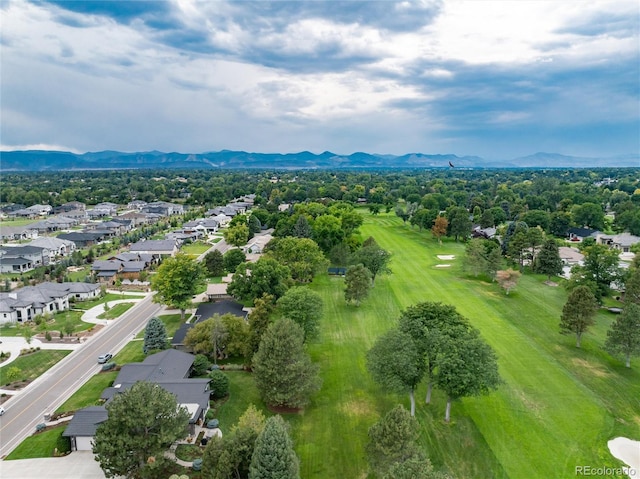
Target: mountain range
[44,160]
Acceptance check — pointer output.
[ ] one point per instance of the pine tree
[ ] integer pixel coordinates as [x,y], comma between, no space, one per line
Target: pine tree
[548,260]
[155,336]
[475,261]
[494,262]
[624,335]
[578,313]
[283,371]
[273,456]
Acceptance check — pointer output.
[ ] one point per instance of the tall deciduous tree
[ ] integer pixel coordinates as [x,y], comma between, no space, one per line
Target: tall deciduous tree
[232,259]
[601,267]
[143,422]
[357,281]
[466,367]
[395,363]
[283,371]
[460,223]
[237,235]
[302,255]
[273,456]
[305,307]
[259,320]
[632,286]
[578,313]
[265,276]
[623,336]
[155,336]
[548,260]
[494,261]
[374,258]
[214,262]
[302,228]
[393,439]
[439,228]
[177,280]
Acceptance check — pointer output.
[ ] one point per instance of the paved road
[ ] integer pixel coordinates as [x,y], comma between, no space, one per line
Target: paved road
[50,390]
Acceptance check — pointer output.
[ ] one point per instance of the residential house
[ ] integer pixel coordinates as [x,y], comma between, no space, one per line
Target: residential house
[157,248]
[102,209]
[486,233]
[622,242]
[37,255]
[136,219]
[205,226]
[168,369]
[570,257]
[56,246]
[70,206]
[579,234]
[26,303]
[163,208]
[106,272]
[17,233]
[55,223]
[136,205]
[82,239]
[257,243]
[31,212]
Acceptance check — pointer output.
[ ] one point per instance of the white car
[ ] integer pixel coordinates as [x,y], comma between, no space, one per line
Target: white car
[103,358]
[2,411]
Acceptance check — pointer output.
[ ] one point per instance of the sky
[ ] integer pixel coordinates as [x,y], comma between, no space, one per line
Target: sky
[497,79]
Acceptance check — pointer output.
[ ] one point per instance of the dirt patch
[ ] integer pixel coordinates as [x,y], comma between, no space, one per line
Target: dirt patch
[357,408]
[595,370]
[551,283]
[284,409]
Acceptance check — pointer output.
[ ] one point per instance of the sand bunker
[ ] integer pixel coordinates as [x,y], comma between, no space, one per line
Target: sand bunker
[446,256]
[443,266]
[628,451]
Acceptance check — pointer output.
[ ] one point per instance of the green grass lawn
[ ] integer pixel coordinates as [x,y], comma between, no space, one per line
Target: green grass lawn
[116,311]
[195,249]
[90,392]
[34,364]
[558,406]
[56,323]
[42,444]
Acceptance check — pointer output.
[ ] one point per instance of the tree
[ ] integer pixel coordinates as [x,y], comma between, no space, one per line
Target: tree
[578,313]
[265,276]
[340,254]
[374,258]
[508,279]
[601,267]
[200,365]
[487,220]
[230,456]
[428,324]
[460,223]
[589,214]
[218,336]
[177,280]
[548,260]
[305,307]
[28,334]
[393,439]
[401,213]
[632,286]
[69,328]
[395,363]
[494,262]
[143,421]
[155,336]
[416,467]
[237,235]
[424,218]
[302,255]
[214,262]
[218,384]
[475,261]
[357,280]
[232,259]
[439,228]
[13,374]
[259,320]
[518,246]
[466,366]
[273,455]
[254,225]
[328,232]
[623,336]
[284,373]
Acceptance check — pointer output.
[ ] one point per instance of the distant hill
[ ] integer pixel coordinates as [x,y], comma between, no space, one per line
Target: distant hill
[40,160]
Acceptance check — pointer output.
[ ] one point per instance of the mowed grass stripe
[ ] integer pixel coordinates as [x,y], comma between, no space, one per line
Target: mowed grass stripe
[544,421]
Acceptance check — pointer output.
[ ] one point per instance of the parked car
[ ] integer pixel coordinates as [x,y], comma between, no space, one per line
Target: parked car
[103,358]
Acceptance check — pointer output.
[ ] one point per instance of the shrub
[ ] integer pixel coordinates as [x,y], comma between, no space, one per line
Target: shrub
[108,366]
[200,365]
[47,336]
[218,384]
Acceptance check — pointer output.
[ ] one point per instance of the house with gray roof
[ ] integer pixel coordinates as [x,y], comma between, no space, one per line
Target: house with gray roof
[621,242]
[38,256]
[26,303]
[163,208]
[56,246]
[55,223]
[202,225]
[169,369]
[83,239]
[156,248]
[17,233]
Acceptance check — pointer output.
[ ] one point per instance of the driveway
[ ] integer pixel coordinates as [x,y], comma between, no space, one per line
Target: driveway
[77,465]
